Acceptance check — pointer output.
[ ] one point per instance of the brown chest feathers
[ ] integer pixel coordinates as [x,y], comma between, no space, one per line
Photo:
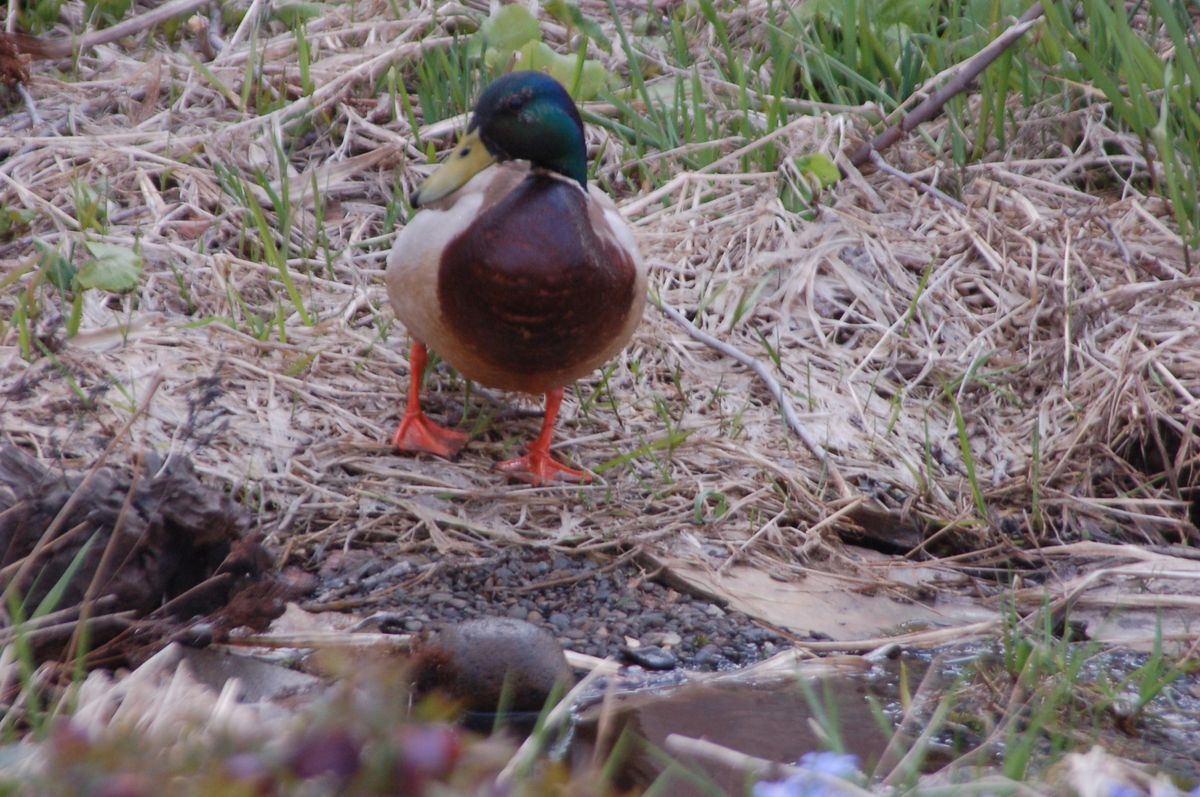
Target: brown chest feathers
[530,286]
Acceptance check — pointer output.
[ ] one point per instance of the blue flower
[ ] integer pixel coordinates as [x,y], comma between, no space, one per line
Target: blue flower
[808,781]
[1123,790]
[835,764]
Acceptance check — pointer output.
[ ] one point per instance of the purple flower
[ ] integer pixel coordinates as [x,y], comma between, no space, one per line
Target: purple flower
[808,782]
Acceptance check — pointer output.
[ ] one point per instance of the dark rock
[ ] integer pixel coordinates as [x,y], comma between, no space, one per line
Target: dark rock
[649,656]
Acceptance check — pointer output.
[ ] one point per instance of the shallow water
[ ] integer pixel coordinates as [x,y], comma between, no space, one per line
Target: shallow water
[784,721]
[778,723]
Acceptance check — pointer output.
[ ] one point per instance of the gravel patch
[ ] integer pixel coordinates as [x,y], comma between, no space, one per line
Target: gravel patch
[590,607]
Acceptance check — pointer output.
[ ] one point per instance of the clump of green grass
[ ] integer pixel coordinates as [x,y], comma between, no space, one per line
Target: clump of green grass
[1143,61]
[999,716]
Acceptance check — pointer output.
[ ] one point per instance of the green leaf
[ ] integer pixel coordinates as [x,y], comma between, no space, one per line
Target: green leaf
[538,56]
[569,14]
[45,15]
[510,28]
[114,268]
[59,271]
[820,168]
[591,79]
[291,14]
[112,11]
[14,221]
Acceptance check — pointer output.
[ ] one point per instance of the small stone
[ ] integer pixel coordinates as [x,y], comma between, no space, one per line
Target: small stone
[707,656]
[664,639]
[654,619]
[713,610]
[413,626]
[560,621]
[517,612]
[650,657]
[440,597]
[458,603]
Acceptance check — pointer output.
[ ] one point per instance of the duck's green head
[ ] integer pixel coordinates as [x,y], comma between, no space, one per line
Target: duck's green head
[522,115]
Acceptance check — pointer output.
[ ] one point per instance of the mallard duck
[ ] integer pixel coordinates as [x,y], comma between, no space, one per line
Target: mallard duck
[514,271]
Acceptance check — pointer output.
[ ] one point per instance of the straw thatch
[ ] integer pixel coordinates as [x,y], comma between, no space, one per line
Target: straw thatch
[1054,312]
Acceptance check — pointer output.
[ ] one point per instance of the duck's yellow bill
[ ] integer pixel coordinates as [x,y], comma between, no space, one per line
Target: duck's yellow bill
[468,159]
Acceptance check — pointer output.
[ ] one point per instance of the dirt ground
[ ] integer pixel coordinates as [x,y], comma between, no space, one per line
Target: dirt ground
[996,401]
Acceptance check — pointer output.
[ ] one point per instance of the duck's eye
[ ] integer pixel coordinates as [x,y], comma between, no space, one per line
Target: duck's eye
[515,103]
[464,152]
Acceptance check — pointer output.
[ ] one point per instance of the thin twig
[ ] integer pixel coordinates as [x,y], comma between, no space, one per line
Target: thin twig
[957,84]
[35,118]
[776,390]
[887,168]
[65,47]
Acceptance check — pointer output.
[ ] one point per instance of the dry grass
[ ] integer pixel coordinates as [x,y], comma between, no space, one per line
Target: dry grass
[1046,312]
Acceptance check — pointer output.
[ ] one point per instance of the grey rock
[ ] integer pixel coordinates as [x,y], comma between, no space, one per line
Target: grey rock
[560,621]
[477,660]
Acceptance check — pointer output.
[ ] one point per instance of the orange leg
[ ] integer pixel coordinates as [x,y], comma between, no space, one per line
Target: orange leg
[538,467]
[417,432]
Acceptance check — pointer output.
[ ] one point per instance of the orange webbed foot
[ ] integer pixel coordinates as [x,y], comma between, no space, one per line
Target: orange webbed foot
[539,468]
[419,434]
